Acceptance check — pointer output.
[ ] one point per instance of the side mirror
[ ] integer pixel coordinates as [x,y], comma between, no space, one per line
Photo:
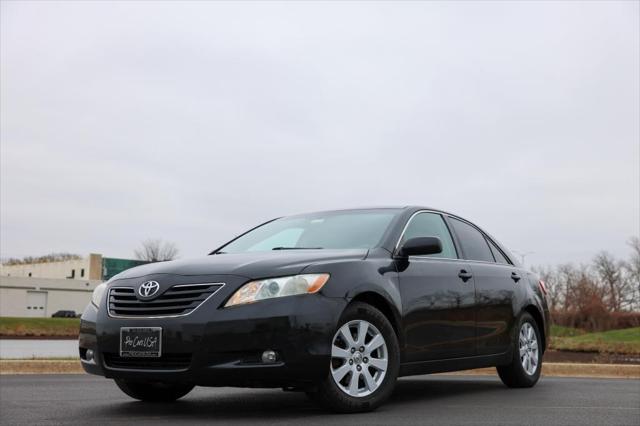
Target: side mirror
[421,246]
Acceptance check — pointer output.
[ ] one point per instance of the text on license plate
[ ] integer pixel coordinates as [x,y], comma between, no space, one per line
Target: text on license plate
[140,341]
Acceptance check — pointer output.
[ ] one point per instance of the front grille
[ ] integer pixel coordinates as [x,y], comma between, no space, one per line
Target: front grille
[165,362]
[177,300]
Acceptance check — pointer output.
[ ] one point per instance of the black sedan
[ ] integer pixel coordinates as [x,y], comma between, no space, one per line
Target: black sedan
[337,304]
[64,314]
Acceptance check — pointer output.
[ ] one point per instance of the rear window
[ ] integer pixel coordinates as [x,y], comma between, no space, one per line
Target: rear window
[473,243]
[498,254]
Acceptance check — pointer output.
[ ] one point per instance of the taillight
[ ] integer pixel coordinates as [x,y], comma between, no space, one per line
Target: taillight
[543,287]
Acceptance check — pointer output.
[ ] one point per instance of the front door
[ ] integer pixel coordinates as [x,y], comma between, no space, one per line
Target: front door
[438,297]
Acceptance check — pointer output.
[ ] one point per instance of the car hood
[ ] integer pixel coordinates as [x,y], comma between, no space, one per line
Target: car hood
[249,265]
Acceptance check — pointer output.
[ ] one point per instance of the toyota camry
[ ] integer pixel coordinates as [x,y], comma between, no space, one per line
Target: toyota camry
[336,304]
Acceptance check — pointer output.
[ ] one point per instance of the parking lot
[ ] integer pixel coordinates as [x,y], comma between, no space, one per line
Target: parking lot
[437,400]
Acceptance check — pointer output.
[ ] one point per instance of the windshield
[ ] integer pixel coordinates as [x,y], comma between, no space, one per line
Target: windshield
[330,230]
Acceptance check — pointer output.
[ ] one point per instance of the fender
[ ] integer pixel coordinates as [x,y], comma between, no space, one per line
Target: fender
[384,301]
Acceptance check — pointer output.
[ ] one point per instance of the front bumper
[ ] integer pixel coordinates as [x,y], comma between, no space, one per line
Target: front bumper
[216,346]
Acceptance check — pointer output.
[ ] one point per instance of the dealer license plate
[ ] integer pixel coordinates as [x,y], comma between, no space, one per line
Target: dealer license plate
[140,342]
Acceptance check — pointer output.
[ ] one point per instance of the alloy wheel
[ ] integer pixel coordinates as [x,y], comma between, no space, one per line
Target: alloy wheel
[359,358]
[528,344]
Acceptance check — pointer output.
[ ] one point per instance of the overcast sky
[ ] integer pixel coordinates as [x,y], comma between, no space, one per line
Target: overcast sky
[191,122]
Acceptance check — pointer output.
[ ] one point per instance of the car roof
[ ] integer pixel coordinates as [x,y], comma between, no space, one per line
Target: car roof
[370,208]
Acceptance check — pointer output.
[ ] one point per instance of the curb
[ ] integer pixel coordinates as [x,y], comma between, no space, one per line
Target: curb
[549,369]
[40,366]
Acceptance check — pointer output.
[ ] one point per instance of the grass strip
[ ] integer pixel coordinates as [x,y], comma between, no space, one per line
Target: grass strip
[625,341]
[39,327]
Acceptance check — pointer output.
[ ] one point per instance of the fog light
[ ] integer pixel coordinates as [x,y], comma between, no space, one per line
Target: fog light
[89,355]
[269,357]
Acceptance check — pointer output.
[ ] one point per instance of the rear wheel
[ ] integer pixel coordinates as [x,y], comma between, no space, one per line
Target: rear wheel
[364,362]
[526,364]
[154,391]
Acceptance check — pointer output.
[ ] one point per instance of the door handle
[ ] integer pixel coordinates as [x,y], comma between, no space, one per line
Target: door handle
[464,275]
[515,277]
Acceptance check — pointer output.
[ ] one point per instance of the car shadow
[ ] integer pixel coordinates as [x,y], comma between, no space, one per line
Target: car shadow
[427,390]
[274,405]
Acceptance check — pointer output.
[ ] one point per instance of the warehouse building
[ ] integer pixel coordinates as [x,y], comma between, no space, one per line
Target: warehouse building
[40,289]
[42,297]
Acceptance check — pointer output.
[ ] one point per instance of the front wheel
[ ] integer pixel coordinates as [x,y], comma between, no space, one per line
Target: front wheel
[365,361]
[154,391]
[526,364]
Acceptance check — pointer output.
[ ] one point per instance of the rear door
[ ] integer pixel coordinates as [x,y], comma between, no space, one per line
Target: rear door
[495,280]
[438,304]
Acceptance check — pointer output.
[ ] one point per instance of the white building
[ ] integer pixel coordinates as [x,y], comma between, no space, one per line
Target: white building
[42,297]
[89,267]
[41,289]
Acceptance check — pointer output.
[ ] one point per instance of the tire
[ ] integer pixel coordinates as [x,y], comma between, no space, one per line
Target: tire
[154,391]
[373,386]
[515,374]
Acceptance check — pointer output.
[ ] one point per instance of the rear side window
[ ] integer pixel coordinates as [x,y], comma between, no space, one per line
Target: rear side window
[431,225]
[497,253]
[474,245]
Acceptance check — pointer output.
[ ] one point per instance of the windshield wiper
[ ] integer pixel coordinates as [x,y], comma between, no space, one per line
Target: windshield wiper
[297,248]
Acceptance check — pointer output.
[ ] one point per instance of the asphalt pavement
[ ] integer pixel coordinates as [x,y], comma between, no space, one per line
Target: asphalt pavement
[421,400]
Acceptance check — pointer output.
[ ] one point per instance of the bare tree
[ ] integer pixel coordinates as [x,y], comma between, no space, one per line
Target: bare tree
[156,250]
[51,257]
[597,296]
[632,273]
[567,277]
[610,276]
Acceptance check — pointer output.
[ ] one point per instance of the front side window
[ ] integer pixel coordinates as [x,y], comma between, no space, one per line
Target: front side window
[474,245]
[431,225]
[356,229]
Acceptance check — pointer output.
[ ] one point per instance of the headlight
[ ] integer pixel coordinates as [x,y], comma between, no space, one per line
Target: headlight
[98,292]
[278,287]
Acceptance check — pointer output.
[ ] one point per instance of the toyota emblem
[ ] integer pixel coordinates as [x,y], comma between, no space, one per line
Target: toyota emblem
[148,288]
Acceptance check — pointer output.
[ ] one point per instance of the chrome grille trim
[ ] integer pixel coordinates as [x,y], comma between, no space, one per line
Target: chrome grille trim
[170,300]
